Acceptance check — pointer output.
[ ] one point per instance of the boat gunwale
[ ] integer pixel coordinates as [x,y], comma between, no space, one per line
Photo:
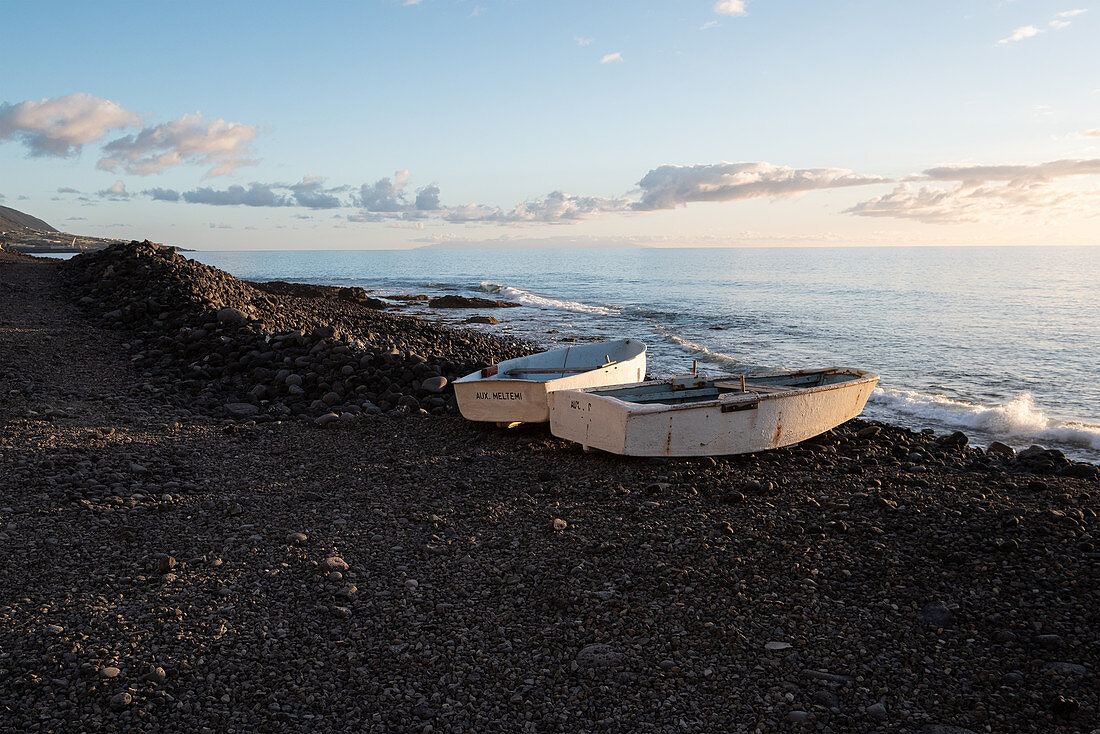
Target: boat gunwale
[861,377]
[500,378]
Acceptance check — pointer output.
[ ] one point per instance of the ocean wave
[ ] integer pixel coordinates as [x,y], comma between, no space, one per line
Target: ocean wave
[700,352]
[527,298]
[1016,421]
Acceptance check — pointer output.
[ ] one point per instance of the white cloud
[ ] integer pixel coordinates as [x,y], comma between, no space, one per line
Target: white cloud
[1094,133]
[988,193]
[556,207]
[708,25]
[62,125]
[1035,173]
[427,198]
[407,3]
[1059,21]
[385,195]
[256,194]
[478,10]
[730,7]
[670,186]
[310,192]
[1025,31]
[159,194]
[615,58]
[189,140]
[963,204]
[117,191]
[472,213]
[583,41]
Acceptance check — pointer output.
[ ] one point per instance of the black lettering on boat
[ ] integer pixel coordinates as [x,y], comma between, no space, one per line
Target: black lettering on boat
[498,396]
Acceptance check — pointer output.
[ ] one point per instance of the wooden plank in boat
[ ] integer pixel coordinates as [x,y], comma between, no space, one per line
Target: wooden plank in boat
[752,387]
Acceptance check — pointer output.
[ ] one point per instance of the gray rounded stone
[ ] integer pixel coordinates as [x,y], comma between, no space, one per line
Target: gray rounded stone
[241,410]
[230,315]
[434,384]
[598,656]
[937,614]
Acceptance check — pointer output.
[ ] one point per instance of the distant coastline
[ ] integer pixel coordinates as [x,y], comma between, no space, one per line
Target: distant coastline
[21,232]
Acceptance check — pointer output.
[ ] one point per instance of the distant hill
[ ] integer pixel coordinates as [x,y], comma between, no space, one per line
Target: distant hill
[23,233]
[11,219]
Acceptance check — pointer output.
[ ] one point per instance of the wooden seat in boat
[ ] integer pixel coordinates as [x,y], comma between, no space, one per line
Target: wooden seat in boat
[751,387]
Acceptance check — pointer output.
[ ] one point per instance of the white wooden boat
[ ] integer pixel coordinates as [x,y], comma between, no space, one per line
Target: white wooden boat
[515,390]
[698,416]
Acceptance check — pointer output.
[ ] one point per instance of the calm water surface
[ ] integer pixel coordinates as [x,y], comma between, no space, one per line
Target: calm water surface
[1002,343]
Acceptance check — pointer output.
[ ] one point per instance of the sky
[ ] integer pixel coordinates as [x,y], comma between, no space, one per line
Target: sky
[404,123]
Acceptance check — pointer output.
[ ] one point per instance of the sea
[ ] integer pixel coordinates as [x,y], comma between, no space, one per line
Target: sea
[1002,343]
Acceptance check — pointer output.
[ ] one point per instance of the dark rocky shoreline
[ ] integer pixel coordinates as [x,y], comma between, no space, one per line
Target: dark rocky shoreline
[171,563]
[241,347]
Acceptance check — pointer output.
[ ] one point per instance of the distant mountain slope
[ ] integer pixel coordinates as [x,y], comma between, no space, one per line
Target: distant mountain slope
[12,219]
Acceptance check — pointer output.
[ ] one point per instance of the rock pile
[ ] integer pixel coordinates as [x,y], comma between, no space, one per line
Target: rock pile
[464,302]
[219,345]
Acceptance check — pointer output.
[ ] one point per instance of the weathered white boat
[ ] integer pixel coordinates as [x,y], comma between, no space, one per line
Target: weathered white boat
[698,416]
[515,390]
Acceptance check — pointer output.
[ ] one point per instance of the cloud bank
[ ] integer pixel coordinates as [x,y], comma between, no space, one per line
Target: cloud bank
[980,193]
[310,193]
[670,186]
[985,193]
[63,125]
[666,187]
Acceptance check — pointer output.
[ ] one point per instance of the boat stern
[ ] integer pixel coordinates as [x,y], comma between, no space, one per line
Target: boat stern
[589,420]
[501,401]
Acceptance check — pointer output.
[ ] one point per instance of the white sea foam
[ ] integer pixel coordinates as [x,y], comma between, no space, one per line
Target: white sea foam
[528,298]
[1017,421]
[701,352]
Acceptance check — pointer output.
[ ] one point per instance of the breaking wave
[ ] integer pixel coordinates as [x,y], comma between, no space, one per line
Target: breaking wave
[698,351]
[527,298]
[1018,420]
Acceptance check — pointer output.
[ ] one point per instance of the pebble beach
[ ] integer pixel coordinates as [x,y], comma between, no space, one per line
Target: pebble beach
[233,506]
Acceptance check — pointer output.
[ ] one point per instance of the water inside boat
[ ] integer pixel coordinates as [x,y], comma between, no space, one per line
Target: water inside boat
[690,389]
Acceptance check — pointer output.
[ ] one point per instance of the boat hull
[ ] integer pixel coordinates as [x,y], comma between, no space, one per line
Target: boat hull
[737,423]
[498,399]
[502,401]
